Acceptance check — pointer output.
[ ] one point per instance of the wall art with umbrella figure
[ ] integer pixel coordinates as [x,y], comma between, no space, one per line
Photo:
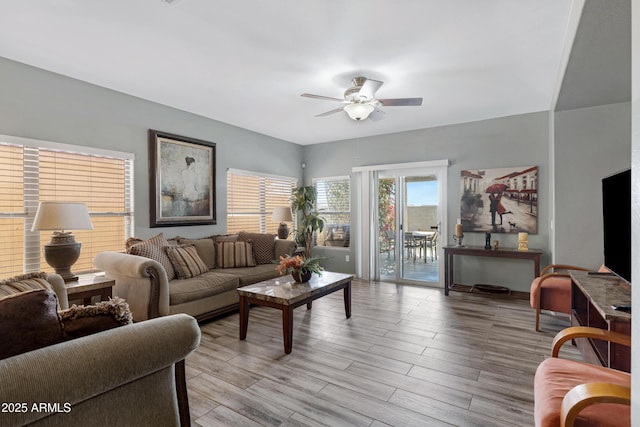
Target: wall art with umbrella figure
[503,200]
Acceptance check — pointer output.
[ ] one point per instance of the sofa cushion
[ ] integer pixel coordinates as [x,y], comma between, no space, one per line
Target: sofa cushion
[555,377]
[153,248]
[28,321]
[186,261]
[205,285]
[206,249]
[234,254]
[251,275]
[263,245]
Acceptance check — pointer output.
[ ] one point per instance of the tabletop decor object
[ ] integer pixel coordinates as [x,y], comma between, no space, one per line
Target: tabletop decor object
[523,241]
[63,250]
[300,268]
[457,237]
[487,240]
[282,214]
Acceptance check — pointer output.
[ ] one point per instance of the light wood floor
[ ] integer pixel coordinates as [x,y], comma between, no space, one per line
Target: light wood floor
[408,356]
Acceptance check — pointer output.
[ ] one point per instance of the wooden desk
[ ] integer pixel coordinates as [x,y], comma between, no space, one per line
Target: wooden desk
[591,299]
[450,251]
[89,285]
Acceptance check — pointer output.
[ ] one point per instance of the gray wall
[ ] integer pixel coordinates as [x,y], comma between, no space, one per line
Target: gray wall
[590,143]
[42,105]
[504,142]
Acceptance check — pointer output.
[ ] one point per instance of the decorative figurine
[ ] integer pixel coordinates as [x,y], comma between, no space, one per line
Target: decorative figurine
[487,240]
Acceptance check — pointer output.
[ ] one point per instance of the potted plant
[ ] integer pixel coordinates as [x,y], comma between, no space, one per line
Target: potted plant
[304,201]
[299,267]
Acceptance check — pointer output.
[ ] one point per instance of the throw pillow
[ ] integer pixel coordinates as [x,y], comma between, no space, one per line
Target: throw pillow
[206,250]
[25,282]
[263,245]
[28,321]
[79,321]
[235,254]
[186,261]
[154,249]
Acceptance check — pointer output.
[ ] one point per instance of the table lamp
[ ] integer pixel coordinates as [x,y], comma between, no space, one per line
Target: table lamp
[282,214]
[63,250]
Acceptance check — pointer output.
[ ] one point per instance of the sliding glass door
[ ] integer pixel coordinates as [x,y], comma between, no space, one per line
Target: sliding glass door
[409,215]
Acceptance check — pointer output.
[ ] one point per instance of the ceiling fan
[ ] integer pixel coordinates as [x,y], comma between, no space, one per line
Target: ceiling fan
[361,102]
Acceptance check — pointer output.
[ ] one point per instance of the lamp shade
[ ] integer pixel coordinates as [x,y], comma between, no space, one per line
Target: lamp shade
[358,111]
[281,213]
[62,216]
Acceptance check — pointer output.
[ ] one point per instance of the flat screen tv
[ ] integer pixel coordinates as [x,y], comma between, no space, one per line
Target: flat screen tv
[616,206]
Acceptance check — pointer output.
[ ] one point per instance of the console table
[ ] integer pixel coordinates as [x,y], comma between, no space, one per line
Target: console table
[451,251]
[591,299]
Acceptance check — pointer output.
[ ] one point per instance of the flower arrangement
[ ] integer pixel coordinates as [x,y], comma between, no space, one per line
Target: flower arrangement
[300,265]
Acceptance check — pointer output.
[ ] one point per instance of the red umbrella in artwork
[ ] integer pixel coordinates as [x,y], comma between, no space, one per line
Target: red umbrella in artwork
[496,188]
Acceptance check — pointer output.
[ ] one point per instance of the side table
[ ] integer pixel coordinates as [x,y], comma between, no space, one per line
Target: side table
[89,285]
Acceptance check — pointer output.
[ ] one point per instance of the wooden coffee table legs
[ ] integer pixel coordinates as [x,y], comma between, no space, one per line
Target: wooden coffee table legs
[287,327]
[287,313]
[347,300]
[244,317]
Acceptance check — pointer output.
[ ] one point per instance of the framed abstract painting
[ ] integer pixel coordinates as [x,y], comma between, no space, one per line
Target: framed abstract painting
[182,176]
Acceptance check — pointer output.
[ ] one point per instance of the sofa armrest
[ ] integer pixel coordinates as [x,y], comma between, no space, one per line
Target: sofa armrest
[141,281]
[574,332]
[57,283]
[584,395]
[284,248]
[107,365]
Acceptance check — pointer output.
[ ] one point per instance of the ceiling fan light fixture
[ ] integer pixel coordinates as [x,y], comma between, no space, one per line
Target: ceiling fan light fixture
[358,111]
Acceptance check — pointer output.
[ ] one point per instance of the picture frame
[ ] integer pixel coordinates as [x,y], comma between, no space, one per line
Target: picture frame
[501,200]
[182,180]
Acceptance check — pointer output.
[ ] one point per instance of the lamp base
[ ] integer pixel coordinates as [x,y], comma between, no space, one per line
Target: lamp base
[283,231]
[61,253]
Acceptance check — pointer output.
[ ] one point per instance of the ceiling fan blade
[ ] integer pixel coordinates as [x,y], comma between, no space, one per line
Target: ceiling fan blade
[397,102]
[377,115]
[335,110]
[369,88]
[310,95]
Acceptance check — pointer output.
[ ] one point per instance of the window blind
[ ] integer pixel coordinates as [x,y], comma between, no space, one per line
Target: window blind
[251,197]
[32,174]
[334,205]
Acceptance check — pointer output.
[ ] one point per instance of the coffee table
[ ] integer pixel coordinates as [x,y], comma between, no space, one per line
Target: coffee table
[285,294]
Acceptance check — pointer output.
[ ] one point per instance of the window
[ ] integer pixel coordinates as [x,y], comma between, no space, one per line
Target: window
[33,171]
[251,197]
[334,204]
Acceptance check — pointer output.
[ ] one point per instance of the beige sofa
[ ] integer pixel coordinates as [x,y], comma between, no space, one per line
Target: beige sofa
[151,290]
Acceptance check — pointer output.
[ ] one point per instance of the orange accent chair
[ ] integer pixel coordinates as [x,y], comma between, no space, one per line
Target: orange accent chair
[568,393]
[552,290]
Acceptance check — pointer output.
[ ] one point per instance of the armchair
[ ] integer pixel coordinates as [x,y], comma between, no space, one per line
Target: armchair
[568,392]
[552,290]
[129,375]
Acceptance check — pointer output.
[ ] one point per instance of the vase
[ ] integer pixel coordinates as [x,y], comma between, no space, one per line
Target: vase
[301,277]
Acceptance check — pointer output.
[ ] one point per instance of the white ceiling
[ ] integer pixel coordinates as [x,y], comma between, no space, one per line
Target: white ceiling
[246,62]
